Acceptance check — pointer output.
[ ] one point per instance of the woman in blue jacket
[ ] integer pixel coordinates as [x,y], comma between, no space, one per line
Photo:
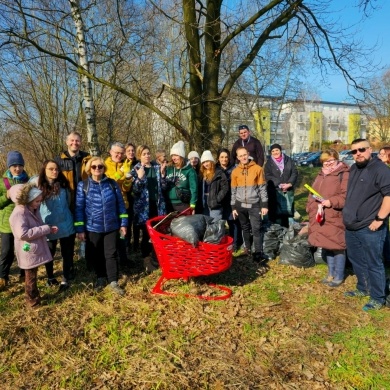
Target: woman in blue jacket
[100,214]
[55,211]
[149,199]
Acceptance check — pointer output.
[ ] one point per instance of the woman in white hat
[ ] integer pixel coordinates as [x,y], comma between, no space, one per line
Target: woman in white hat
[194,160]
[30,233]
[214,186]
[181,180]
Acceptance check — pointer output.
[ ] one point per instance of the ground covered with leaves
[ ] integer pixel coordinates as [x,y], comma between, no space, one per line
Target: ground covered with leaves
[282,330]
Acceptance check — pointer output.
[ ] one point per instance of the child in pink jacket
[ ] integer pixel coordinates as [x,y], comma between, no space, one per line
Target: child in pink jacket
[29,232]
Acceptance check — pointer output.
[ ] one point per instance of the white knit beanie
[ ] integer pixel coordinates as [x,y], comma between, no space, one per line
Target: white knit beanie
[193,154]
[33,193]
[207,156]
[179,149]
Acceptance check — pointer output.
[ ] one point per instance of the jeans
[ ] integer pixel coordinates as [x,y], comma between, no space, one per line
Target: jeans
[215,214]
[67,252]
[365,248]
[250,220]
[386,247]
[7,254]
[104,254]
[336,263]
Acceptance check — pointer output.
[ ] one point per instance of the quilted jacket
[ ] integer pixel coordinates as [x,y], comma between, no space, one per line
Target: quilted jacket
[99,207]
[6,205]
[28,229]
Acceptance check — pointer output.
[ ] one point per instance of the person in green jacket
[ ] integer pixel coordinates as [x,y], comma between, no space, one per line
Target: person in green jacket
[15,174]
[182,182]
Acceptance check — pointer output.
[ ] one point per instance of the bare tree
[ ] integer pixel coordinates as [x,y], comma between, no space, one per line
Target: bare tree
[377,107]
[125,38]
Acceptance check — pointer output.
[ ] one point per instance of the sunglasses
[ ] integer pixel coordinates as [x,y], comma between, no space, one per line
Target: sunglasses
[361,150]
[97,166]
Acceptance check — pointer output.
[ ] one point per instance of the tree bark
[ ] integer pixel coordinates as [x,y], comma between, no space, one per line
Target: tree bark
[86,82]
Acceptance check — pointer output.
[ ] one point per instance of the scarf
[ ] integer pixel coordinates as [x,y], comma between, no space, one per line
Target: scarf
[22,178]
[327,171]
[279,162]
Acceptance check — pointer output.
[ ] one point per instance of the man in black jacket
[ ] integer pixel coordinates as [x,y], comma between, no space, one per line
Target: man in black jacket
[251,144]
[367,207]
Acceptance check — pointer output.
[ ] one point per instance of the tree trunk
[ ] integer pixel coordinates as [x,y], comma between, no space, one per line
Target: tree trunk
[89,107]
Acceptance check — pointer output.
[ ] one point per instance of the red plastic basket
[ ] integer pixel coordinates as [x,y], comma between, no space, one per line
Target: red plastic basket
[178,259]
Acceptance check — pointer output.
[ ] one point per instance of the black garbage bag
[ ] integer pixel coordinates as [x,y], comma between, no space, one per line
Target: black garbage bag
[215,231]
[272,240]
[319,256]
[296,251]
[190,228]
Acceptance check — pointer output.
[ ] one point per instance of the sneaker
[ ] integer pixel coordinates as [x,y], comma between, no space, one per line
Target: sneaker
[63,287]
[115,287]
[372,305]
[327,280]
[355,293]
[52,282]
[335,283]
[258,257]
[100,284]
[241,252]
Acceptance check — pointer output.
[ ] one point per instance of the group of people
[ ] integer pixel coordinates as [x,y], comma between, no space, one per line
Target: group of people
[105,203]
[348,217]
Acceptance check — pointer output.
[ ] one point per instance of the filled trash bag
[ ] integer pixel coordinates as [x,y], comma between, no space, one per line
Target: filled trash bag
[273,239]
[190,228]
[319,256]
[215,231]
[296,250]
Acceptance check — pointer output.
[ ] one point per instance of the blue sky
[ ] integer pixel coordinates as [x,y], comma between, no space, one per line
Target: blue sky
[374,31]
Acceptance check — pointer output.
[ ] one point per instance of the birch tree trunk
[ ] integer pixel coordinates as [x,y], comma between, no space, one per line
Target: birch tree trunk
[86,83]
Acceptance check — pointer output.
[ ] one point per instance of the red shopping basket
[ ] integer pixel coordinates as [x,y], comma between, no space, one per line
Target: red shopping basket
[178,259]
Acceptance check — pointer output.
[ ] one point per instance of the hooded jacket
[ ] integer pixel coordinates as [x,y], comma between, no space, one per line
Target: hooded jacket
[28,229]
[248,185]
[184,178]
[329,234]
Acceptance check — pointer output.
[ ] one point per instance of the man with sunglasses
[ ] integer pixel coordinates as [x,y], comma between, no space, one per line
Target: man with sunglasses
[250,143]
[367,206]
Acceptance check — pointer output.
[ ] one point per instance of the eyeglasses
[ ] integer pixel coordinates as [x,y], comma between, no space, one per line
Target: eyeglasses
[329,161]
[361,150]
[97,166]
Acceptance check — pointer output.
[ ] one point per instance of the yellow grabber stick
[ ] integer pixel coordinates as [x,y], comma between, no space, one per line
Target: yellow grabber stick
[314,192]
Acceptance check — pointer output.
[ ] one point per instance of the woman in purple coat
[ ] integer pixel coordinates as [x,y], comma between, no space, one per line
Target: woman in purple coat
[30,233]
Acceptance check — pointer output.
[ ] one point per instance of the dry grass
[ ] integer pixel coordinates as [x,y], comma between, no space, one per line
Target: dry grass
[281,331]
[284,330]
